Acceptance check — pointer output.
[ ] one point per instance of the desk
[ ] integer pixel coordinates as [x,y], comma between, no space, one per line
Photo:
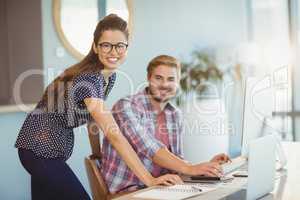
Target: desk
[287,187]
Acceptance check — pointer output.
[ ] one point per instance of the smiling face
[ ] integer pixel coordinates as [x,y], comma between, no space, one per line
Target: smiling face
[111,59]
[163,83]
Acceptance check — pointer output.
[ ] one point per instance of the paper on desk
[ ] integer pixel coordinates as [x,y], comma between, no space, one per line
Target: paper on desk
[174,192]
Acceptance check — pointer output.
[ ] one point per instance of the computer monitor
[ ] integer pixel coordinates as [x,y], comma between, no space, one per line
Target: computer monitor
[257,109]
[257,115]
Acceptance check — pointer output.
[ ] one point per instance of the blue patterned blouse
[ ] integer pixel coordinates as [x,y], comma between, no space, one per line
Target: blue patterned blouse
[50,133]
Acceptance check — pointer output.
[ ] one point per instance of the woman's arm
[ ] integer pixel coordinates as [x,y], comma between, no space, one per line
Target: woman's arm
[106,122]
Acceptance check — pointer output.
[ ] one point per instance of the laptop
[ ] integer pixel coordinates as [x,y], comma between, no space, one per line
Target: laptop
[261,169]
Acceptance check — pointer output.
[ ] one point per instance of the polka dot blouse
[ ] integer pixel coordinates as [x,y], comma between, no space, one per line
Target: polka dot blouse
[50,133]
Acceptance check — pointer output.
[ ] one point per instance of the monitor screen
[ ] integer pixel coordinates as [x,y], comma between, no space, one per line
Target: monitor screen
[257,109]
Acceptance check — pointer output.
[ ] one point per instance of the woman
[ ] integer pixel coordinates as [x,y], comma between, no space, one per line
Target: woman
[74,98]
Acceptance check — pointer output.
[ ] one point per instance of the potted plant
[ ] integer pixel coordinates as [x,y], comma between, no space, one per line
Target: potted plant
[197,75]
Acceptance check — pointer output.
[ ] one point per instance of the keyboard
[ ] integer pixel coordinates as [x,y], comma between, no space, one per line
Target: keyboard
[236,163]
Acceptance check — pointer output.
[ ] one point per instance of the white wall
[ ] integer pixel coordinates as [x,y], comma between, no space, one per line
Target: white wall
[177,27]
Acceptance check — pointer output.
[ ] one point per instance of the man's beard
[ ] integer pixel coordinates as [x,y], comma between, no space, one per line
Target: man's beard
[158,99]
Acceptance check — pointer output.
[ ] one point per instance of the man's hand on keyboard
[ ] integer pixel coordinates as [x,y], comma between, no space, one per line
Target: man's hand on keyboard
[235,164]
[221,158]
[207,169]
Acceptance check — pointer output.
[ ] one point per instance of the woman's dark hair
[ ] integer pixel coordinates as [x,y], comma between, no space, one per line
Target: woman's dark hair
[90,63]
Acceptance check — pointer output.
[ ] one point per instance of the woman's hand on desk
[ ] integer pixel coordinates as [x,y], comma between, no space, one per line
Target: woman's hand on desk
[168,179]
[207,169]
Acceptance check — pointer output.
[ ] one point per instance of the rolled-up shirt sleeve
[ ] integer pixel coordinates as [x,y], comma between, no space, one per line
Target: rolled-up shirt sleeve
[134,128]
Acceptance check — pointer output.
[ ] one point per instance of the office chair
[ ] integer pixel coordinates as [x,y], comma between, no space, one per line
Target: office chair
[93,168]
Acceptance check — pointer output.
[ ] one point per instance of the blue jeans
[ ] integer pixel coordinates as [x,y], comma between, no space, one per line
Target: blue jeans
[51,178]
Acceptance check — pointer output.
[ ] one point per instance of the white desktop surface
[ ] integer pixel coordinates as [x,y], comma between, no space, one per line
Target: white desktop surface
[287,187]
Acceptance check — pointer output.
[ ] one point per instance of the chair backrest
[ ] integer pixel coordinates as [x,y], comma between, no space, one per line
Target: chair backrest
[93,165]
[96,181]
[93,168]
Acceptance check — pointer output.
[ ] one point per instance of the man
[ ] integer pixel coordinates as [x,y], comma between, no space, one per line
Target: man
[153,126]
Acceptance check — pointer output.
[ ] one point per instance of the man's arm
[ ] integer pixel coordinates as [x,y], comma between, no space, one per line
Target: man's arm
[164,158]
[131,125]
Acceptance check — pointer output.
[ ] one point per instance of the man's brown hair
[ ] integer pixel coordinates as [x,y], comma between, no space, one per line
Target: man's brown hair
[163,60]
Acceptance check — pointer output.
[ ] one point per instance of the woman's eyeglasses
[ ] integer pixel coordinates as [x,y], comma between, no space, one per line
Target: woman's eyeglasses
[107,47]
